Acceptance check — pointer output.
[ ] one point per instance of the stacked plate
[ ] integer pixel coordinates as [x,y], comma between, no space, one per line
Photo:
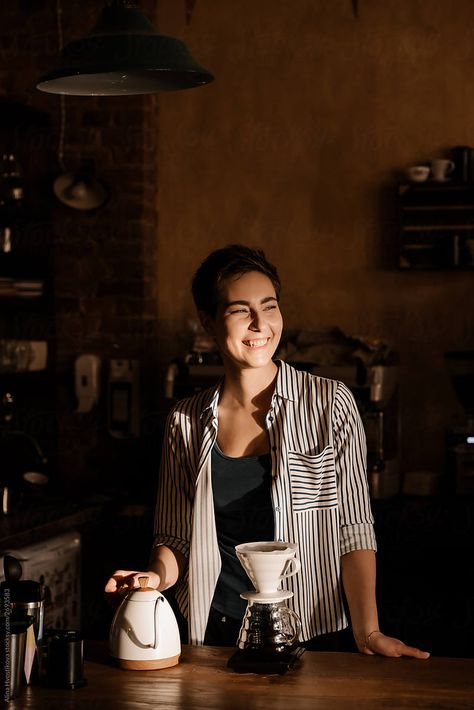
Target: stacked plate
[7,287]
[29,289]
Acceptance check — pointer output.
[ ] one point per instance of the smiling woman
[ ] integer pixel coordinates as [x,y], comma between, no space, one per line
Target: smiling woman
[270,453]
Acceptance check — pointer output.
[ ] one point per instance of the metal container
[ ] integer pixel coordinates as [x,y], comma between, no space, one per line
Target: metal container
[31,612]
[62,659]
[12,661]
[462,161]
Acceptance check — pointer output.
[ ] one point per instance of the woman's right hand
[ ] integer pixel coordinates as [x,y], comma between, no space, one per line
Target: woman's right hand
[123,580]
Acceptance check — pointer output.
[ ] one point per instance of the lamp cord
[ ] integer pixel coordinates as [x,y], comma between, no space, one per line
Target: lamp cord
[62,98]
[189,8]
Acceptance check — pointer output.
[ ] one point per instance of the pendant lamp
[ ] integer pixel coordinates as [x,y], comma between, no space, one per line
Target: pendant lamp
[123,54]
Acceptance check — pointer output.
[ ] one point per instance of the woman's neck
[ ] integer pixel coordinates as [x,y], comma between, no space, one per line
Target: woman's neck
[250,388]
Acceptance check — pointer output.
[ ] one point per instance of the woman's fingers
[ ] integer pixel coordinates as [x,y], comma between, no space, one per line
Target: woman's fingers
[119,579]
[388,646]
[123,580]
[413,652]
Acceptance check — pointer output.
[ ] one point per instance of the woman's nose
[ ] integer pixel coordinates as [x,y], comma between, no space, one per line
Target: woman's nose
[255,320]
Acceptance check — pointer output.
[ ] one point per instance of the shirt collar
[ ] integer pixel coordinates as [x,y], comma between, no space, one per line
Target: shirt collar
[211,400]
[282,388]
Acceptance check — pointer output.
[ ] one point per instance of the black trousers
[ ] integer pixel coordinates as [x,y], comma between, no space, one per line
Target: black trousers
[221,630]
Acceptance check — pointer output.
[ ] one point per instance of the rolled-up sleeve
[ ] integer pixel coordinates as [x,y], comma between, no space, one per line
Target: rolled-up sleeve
[173,512]
[355,514]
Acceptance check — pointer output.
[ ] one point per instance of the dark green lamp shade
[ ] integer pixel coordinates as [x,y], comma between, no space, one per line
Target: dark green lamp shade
[124,55]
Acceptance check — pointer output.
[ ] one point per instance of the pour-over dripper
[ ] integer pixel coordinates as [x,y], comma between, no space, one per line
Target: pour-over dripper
[267,564]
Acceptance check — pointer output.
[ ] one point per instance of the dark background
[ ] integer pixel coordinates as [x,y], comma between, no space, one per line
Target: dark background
[297,147]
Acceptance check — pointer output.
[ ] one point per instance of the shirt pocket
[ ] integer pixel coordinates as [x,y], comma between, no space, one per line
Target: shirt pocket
[313,480]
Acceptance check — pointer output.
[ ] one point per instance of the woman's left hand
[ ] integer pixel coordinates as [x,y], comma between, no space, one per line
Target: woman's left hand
[378,643]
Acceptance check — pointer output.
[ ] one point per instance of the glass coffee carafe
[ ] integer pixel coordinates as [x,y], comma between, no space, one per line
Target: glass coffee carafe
[268,627]
[268,639]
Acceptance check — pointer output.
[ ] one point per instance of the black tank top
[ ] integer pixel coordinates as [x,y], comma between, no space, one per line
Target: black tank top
[243,511]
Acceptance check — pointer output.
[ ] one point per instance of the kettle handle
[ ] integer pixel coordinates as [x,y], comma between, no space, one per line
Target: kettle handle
[155,643]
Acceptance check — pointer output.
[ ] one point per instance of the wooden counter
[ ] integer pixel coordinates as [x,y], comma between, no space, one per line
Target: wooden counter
[328,681]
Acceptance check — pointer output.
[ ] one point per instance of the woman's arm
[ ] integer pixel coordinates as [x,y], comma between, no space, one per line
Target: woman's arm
[358,578]
[168,564]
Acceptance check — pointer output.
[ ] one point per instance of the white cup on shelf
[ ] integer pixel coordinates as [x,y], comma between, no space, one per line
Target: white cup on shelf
[417,173]
[441,169]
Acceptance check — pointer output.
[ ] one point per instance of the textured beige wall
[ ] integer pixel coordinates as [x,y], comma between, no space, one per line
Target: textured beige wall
[296,148]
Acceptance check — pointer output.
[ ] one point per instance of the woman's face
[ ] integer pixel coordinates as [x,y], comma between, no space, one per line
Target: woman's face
[248,322]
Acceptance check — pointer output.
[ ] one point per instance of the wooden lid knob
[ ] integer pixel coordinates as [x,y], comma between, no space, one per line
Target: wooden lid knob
[143,582]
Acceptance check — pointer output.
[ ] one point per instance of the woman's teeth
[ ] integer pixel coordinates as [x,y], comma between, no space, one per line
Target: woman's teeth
[256,343]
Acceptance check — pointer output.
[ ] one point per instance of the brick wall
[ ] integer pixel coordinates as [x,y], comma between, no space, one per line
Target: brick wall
[104,293]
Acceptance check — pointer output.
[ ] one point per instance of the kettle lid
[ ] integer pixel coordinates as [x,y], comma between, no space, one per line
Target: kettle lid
[143,593]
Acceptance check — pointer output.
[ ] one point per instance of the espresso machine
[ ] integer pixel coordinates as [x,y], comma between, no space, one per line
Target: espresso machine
[460,461]
[379,407]
[268,639]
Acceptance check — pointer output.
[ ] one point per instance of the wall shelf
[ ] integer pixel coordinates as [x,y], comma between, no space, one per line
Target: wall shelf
[26,279]
[436,226]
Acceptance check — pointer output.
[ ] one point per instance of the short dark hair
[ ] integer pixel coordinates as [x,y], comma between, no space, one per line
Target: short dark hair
[232,260]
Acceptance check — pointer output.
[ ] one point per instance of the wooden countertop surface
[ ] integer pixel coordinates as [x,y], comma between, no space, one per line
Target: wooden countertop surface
[201,681]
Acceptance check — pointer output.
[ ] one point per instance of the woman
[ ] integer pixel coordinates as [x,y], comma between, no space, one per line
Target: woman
[269,453]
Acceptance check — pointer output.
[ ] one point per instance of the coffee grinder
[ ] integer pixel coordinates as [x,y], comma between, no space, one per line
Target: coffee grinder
[461,433]
[268,639]
[375,389]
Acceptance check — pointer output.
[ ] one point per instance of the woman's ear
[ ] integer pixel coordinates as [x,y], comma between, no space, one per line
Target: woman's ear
[207,322]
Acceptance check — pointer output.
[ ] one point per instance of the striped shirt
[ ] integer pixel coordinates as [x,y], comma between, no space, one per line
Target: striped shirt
[319,495]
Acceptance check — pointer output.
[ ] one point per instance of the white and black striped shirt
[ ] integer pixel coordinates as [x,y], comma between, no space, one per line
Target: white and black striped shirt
[319,495]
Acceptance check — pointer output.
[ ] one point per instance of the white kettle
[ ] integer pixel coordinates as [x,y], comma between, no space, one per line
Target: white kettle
[144,634]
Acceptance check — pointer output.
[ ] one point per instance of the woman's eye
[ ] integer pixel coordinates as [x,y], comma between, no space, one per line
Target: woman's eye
[270,308]
[239,310]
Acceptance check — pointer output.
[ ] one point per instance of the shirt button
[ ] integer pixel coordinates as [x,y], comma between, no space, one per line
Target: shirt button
[270,418]
[278,509]
[274,448]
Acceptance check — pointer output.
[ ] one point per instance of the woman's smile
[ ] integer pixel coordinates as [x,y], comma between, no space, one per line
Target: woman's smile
[256,343]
